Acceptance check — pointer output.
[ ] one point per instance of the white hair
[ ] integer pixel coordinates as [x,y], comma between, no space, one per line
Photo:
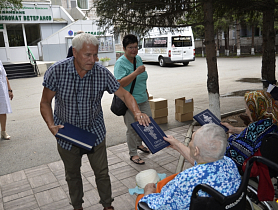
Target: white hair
[80,39]
[211,140]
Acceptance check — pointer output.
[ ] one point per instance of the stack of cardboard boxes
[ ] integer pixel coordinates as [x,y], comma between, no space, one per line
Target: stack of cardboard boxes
[184,109]
[159,108]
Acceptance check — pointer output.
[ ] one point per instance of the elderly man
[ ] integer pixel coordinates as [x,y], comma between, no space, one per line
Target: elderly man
[78,84]
[206,153]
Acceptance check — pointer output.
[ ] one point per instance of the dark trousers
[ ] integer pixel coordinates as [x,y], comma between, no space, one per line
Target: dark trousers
[99,164]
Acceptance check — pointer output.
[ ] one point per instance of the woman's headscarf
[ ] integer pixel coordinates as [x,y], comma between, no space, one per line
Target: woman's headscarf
[261,105]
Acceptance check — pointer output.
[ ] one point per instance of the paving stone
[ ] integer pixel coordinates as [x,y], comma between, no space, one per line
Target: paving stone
[46,187]
[56,166]
[1,205]
[40,180]
[129,182]
[85,159]
[173,152]
[87,186]
[28,202]
[92,181]
[171,166]
[88,173]
[124,202]
[118,188]
[148,164]
[36,171]
[16,190]
[86,167]
[163,158]
[124,172]
[13,177]
[112,178]
[90,198]
[94,207]
[50,196]
[117,165]
[124,156]
[118,148]
[182,129]
[113,159]
[63,204]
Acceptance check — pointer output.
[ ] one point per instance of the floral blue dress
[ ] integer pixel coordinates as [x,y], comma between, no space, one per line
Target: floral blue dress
[222,175]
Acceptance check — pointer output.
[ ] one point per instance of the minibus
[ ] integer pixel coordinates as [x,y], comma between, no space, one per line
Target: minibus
[172,46]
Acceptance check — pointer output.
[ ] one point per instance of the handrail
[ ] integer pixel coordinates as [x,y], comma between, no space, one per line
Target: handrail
[33,61]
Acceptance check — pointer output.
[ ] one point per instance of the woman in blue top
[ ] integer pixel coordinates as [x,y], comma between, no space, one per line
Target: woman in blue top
[125,74]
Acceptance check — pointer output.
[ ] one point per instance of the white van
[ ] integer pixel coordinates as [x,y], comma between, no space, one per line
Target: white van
[169,47]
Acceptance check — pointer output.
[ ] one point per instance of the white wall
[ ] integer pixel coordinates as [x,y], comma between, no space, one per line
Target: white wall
[55,46]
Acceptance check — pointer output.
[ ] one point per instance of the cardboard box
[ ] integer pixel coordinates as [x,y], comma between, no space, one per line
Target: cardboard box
[156,113]
[184,117]
[158,103]
[161,120]
[188,106]
[180,101]
[150,97]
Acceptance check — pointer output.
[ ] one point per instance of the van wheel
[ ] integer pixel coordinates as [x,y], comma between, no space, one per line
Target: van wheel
[162,62]
[185,63]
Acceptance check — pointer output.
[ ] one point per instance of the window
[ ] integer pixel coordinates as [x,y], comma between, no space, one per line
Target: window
[105,43]
[2,43]
[156,42]
[82,4]
[33,34]
[181,41]
[15,35]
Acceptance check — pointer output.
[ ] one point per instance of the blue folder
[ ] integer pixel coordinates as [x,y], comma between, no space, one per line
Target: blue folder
[151,135]
[207,117]
[77,136]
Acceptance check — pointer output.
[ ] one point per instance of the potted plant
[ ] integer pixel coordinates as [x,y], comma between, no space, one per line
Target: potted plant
[105,61]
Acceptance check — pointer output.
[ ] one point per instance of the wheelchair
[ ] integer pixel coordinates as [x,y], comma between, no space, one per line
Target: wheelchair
[246,195]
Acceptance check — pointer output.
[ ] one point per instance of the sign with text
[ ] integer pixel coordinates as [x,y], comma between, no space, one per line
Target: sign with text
[29,13]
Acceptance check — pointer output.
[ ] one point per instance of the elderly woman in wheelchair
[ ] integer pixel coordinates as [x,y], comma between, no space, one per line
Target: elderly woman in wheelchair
[262,111]
[259,137]
[206,153]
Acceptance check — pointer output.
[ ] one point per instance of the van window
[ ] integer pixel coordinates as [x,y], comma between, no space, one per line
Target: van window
[140,44]
[181,41]
[156,42]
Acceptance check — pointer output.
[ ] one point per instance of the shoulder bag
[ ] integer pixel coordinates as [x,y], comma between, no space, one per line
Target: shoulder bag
[118,107]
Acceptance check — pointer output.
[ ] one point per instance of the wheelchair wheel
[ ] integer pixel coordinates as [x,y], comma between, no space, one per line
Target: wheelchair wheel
[256,204]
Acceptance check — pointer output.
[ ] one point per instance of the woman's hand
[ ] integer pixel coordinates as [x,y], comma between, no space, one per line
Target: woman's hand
[230,127]
[149,189]
[142,118]
[174,142]
[140,70]
[11,95]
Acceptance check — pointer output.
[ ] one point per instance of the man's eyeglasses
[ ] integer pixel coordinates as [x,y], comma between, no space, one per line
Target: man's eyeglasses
[132,48]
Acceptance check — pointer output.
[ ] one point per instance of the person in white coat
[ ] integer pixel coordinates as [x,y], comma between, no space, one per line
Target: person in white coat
[6,94]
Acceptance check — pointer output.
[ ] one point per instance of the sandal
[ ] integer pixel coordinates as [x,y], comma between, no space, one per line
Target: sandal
[144,149]
[137,161]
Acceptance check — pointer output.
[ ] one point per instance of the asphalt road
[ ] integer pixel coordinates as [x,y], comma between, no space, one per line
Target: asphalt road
[32,144]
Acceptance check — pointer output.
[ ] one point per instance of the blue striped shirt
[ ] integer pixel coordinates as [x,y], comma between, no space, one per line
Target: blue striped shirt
[78,100]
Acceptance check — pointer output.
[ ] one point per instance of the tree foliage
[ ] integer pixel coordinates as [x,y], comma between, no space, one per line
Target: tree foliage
[142,15]
[16,4]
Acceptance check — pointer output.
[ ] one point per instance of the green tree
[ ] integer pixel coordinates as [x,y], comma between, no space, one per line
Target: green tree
[10,3]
